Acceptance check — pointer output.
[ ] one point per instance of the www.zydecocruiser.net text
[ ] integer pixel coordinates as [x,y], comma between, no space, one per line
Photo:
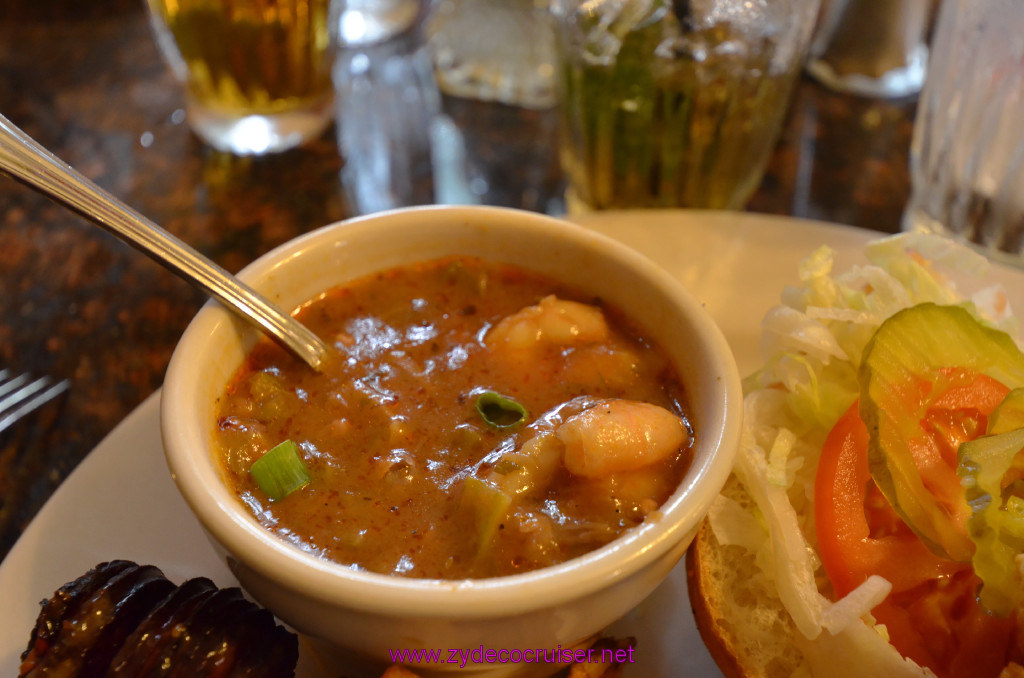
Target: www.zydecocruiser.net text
[463,657]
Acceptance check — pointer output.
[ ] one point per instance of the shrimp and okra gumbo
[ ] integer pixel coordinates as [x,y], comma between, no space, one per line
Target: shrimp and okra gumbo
[478,420]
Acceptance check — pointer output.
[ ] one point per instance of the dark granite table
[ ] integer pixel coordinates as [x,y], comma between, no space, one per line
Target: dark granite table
[86,80]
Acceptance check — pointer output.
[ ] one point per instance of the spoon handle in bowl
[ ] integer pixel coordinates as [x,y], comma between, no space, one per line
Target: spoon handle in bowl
[27,161]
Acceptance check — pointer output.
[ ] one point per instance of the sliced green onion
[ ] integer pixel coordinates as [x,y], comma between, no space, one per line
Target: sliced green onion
[280,471]
[500,411]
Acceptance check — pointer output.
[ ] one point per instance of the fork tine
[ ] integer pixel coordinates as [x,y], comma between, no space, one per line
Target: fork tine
[8,386]
[10,398]
[17,404]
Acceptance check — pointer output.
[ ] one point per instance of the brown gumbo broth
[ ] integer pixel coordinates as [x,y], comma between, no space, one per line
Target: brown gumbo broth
[407,477]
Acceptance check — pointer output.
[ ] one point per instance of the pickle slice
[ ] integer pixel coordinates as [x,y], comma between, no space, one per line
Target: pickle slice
[1009,416]
[992,469]
[905,361]
[996,525]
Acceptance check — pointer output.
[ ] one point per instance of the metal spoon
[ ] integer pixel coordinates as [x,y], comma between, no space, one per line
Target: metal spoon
[25,160]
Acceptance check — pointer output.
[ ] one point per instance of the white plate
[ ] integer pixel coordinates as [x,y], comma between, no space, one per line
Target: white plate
[121,503]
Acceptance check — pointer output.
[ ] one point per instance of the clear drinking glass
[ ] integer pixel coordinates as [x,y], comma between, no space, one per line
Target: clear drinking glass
[674,103]
[257,73]
[387,103]
[967,153]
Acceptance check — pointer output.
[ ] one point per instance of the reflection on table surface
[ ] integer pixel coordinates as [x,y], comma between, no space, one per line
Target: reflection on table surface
[86,80]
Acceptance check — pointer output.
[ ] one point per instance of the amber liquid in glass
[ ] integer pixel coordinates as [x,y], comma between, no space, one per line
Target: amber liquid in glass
[257,73]
[253,56]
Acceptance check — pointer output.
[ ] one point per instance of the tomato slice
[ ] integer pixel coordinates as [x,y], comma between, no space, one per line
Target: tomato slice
[851,547]
[939,624]
[932,615]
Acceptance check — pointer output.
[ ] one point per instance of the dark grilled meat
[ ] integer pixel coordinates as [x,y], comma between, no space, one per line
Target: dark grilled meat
[125,620]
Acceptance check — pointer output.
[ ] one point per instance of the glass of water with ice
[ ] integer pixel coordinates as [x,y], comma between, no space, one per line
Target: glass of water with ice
[967,155]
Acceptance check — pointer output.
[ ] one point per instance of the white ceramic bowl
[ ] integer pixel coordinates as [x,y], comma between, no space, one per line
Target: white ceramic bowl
[372,613]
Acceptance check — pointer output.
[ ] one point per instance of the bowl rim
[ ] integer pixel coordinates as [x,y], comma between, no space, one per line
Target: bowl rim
[302,573]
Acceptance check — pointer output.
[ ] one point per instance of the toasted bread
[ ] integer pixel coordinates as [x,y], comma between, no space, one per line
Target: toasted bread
[741,621]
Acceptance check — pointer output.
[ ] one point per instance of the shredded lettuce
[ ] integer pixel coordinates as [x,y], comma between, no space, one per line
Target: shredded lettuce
[734,526]
[793,563]
[855,605]
[812,343]
[858,651]
[779,462]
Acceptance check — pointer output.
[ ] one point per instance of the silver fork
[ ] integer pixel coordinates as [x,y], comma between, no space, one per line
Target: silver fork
[20,395]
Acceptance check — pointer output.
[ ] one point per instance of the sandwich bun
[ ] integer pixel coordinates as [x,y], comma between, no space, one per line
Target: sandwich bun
[745,628]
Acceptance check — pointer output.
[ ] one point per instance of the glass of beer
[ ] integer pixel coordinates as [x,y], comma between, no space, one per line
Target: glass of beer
[257,73]
[674,103]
